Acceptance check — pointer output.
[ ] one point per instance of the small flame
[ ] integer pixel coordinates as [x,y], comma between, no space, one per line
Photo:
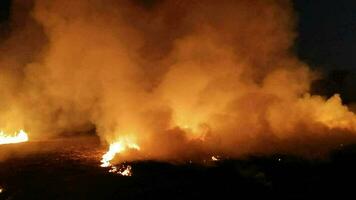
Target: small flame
[215,158]
[126,171]
[117,148]
[19,137]
[122,170]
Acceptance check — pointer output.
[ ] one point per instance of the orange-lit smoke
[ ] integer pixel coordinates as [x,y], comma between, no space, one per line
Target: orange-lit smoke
[181,79]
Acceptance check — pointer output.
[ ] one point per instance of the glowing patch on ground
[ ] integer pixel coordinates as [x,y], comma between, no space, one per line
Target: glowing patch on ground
[122,170]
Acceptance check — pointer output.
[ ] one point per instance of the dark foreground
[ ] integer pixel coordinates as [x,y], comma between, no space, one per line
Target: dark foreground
[65,172]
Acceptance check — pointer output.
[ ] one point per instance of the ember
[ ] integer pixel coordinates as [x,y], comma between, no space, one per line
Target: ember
[215,158]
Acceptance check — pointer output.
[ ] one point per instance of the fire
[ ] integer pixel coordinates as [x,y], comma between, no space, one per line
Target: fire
[117,148]
[19,137]
[122,170]
[114,149]
[215,158]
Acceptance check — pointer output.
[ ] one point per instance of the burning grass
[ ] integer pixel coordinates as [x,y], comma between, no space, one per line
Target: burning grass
[19,137]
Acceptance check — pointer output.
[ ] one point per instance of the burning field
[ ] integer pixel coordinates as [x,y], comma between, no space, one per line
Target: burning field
[110,99]
[69,169]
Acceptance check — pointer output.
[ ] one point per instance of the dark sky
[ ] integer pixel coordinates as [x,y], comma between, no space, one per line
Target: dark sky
[327,33]
[327,41]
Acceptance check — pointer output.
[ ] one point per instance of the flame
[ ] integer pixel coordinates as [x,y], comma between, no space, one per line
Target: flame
[114,149]
[19,137]
[117,148]
[126,171]
[215,158]
[122,170]
[199,91]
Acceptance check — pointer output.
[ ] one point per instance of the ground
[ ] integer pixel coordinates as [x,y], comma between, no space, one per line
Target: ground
[69,169]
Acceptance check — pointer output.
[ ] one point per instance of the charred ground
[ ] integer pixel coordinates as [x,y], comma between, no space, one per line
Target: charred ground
[66,170]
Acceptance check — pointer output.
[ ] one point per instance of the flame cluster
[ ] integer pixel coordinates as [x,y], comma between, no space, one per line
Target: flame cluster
[115,149]
[188,78]
[19,137]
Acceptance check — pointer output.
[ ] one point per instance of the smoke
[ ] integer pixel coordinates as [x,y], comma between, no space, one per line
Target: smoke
[181,79]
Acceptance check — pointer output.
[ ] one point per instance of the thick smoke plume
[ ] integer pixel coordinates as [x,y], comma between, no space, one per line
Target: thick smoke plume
[182,79]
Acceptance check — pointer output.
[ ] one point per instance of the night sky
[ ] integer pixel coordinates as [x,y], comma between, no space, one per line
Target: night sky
[327,33]
[326,41]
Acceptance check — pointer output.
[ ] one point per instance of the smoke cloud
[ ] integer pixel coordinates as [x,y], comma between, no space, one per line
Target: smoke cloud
[182,79]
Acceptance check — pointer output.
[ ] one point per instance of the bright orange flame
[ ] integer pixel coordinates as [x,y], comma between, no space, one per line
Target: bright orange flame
[117,148]
[19,137]
[114,149]
[123,170]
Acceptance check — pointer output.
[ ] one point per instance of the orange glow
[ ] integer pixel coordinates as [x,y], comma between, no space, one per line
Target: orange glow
[334,115]
[222,81]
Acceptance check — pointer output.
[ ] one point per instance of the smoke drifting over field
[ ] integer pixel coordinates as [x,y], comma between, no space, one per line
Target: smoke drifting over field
[179,78]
